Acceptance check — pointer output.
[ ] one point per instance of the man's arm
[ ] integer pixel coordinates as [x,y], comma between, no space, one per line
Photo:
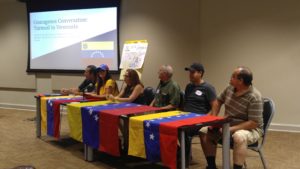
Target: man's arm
[152,103]
[170,106]
[247,125]
[215,107]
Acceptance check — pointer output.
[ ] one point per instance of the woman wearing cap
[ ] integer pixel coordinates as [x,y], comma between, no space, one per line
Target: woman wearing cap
[133,91]
[105,84]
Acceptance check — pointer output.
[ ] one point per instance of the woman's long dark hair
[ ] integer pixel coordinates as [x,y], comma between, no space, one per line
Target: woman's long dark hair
[102,82]
[134,78]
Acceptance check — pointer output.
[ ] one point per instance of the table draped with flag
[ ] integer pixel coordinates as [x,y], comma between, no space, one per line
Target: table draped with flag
[75,118]
[109,124]
[155,136]
[90,122]
[50,112]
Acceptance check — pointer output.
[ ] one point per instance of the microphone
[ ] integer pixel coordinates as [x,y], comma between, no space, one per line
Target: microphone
[86,87]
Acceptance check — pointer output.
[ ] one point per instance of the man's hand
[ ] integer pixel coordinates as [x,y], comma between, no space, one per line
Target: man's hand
[64,91]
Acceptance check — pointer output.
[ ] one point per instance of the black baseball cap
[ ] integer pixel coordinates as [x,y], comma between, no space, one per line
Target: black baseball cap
[195,67]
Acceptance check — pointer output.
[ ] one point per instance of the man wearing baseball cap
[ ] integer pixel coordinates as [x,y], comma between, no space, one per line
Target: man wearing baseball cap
[200,97]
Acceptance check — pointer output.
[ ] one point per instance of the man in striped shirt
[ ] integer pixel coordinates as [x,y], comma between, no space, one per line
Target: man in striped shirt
[243,103]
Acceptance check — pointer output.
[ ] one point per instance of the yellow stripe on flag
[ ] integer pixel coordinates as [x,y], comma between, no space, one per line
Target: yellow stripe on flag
[136,132]
[44,110]
[74,117]
[107,45]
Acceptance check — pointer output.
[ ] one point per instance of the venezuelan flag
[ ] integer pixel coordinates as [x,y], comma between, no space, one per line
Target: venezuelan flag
[160,135]
[151,134]
[136,132]
[53,114]
[110,119]
[90,122]
[44,110]
[75,119]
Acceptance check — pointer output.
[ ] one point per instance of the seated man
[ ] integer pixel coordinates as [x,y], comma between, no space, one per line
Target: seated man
[200,97]
[168,92]
[88,85]
[243,103]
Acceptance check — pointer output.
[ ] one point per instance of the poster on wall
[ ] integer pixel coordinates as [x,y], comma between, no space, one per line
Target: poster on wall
[133,56]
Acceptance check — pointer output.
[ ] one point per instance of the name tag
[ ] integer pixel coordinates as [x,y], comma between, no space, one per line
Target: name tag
[198,93]
[157,91]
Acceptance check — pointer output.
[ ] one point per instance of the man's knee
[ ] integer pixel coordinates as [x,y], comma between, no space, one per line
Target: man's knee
[239,138]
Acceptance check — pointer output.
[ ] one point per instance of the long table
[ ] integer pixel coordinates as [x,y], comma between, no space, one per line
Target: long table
[129,112]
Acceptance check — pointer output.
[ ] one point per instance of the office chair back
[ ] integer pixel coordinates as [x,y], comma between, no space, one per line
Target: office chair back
[148,95]
[268,113]
[181,103]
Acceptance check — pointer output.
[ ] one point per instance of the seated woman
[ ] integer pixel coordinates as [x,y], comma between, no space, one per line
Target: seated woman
[133,91]
[105,85]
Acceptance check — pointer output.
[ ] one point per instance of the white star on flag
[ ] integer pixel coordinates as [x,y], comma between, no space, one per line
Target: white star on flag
[178,116]
[91,111]
[148,124]
[96,118]
[197,115]
[152,136]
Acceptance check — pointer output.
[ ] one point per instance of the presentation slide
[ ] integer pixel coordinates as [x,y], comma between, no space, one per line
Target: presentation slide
[73,39]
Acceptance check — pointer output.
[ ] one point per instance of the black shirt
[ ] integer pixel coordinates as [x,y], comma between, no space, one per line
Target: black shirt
[197,98]
[85,85]
[128,91]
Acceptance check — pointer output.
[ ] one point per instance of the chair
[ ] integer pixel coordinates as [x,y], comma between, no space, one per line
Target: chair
[181,103]
[268,113]
[148,95]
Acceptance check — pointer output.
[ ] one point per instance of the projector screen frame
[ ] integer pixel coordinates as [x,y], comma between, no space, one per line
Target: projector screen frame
[58,5]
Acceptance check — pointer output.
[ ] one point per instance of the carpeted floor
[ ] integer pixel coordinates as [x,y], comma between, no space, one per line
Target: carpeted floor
[19,146]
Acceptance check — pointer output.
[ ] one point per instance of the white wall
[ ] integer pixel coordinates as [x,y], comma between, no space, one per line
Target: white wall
[263,35]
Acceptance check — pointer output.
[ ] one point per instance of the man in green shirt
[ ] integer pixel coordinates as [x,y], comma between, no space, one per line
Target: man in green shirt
[167,94]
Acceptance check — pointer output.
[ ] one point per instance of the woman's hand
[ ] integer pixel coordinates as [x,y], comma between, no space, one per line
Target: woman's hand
[110,97]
